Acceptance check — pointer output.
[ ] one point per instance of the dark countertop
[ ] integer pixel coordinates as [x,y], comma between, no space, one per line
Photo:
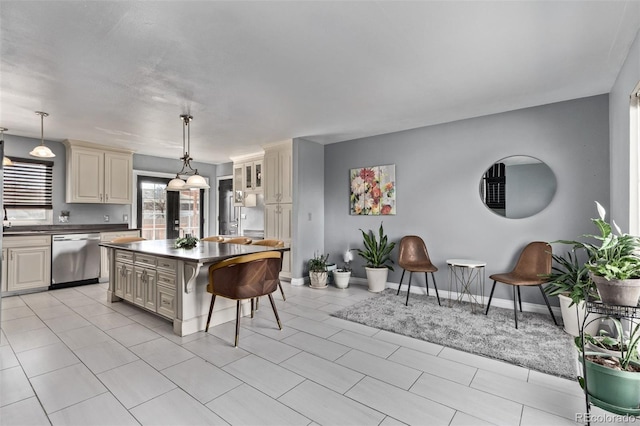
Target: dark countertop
[204,252]
[65,229]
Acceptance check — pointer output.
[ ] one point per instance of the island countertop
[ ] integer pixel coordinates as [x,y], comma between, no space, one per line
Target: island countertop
[204,252]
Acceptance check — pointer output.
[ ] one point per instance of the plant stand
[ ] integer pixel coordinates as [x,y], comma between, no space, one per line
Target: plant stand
[613,382]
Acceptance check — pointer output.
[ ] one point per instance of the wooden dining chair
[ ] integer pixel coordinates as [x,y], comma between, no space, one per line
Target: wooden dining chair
[275,244]
[245,277]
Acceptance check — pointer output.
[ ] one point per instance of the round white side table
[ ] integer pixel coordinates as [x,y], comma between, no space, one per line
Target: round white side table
[465,273]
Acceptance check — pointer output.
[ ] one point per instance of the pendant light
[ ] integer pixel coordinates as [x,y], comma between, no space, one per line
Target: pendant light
[6,161]
[41,150]
[194,181]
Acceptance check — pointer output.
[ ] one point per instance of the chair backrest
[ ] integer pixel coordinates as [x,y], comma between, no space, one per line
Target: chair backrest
[127,239]
[214,238]
[245,277]
[412,249]
[535,260]
[269,243]
[237,240]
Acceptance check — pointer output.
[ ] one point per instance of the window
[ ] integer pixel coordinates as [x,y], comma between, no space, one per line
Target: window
[27,191]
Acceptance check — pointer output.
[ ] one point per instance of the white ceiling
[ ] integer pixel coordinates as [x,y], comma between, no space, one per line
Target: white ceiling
[120,73]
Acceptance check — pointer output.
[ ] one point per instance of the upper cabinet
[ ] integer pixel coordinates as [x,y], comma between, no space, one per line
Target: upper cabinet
[247,179]
[278,171]
[98,174]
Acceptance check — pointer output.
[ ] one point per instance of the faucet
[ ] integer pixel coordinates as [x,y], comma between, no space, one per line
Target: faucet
[5,220]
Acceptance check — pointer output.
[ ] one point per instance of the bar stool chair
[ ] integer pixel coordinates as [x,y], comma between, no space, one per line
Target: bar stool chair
[237,240]
[414,257]
[213,238]
[533,265]
[245,277]
[127,239]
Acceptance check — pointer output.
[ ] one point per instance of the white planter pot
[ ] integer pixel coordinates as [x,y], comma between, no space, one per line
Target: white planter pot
[341,279]
[376,278]
[571,314]
[318,279]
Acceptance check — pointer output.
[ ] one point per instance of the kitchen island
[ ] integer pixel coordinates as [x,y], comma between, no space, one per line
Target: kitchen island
[172,282]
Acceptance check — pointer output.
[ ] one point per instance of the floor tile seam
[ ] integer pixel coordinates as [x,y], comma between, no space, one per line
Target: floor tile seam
[524,404]
[79,402]
[354,331]
[35,394]
[149,400]
[220,366]
[360,348]
[486,370]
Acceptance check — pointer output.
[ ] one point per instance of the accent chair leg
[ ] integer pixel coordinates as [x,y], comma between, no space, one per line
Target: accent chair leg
[426,282]
[252,302]
[275,311]
[433,278]
[281,291]
[237,322]
[519,299]
[546,300]
[515,310]
[408,289]
[490,296]
[400,285]
[257,302]
[213,299]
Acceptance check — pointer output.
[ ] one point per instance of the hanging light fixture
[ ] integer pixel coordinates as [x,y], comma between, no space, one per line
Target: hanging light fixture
[41,150]
[6,161]
[194,181]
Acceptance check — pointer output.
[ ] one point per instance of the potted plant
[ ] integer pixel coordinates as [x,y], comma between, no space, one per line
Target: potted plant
[318,271]
[613,262]
[341,276]
[187,242]
[613,381]
[569,280]
[377,255]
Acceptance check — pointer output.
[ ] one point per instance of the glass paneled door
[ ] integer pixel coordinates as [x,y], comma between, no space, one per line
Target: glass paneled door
[166,214]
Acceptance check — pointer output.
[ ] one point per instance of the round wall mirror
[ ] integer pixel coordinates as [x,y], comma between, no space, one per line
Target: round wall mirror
[517,187]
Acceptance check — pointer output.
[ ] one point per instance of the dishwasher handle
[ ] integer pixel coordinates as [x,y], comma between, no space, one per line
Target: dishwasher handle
[77,237]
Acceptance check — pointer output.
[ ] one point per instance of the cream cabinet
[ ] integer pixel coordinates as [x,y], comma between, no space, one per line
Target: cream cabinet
[104,252]
[98,174]
[147,281]
[278,172]
[278,197]
[27,262]
[3,286]
[247,179]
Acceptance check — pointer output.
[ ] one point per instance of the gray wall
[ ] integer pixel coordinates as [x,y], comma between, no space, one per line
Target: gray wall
[309,212]
[628,77]
[438,169]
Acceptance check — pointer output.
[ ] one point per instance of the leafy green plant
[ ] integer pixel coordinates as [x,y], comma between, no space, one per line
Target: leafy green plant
[376,251]
[188,242]
[570,277]
[614,255]
[318,263]
[628,345]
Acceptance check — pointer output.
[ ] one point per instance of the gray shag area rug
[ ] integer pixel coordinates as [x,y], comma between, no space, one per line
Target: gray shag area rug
[537,344]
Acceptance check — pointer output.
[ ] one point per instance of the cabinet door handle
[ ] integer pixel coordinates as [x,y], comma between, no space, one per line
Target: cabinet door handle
[100,197]
[106,197]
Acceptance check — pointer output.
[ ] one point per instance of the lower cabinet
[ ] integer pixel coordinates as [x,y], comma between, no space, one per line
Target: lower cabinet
[147,281]
[104,252]
[27,262]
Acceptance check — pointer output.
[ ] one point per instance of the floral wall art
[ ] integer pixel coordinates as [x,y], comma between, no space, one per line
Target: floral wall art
[373,190]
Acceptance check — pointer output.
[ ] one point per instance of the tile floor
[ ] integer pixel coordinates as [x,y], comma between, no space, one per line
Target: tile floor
[68,357]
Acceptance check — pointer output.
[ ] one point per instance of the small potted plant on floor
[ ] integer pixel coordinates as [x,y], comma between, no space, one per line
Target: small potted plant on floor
[342,275]
[377,255]
[569,280]
[318,271]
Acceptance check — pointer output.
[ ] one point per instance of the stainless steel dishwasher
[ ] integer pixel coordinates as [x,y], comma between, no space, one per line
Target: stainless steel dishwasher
[75,259]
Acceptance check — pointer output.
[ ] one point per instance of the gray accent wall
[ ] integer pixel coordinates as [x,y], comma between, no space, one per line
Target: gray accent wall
[438,170]
[309,180]
[619,131]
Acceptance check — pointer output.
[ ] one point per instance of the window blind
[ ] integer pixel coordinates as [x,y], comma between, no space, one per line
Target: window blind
[28,184]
